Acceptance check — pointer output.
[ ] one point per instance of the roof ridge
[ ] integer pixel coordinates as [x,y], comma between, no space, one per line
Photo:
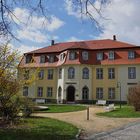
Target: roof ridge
[87,44]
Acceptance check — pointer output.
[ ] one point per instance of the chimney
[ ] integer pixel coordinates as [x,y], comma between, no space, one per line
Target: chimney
[114,37]
[52,42]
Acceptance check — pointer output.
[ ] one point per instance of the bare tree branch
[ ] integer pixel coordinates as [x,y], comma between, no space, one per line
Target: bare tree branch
[40,7]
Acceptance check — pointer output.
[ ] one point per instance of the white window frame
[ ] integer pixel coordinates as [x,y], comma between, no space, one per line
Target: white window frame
[99,93]
[131,72]
[72,55]
[85,73]
[40,92]
[49,91]
[61,57]
[51,58]
[131,54]
[50,74]
[111,55]
[99,73]
[85,55]
[99,56]
[71,73]
[41,74]
[42,59]
[111,93]
[111,73]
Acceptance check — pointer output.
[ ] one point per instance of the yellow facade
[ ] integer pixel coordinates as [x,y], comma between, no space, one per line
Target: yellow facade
[34,82]
[105,83]
[121,75]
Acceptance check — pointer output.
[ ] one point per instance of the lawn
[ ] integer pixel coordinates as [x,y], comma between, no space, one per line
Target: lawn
[63,108]
[125,112]
[40,129]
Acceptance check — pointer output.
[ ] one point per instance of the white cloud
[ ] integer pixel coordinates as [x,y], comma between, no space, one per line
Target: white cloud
[122,18]
[32,35]
[70,9]
[36,22]
[32,28]
[55,23]
[24,49]
[73,39]
[124,21]
[74,9]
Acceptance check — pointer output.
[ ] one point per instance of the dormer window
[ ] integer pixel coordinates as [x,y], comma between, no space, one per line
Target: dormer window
[28,59]
[72,55]
[51,59]
[42,59]
[131,54]
[111,55]
[85,55]
[99,56]
[62,56]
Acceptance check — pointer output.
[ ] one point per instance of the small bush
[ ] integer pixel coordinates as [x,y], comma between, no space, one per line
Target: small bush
[134,97]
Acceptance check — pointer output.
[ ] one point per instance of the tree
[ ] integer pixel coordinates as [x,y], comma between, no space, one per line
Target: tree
[134,97]
[7,16]
[11,103]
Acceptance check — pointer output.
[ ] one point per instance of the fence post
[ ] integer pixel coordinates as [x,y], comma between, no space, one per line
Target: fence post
[88,113]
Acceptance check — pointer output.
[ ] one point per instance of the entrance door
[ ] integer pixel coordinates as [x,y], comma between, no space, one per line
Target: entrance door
[70,94]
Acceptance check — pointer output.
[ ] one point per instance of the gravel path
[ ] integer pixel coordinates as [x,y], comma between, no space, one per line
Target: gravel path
[94,125]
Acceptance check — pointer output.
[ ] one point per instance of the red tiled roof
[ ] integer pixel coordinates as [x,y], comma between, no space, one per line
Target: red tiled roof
[90,45]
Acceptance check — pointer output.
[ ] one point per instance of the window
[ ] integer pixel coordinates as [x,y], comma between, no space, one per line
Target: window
[49,91]
[41,74]
[111,73]
[99,56]
[42,59]
[85,73]
[60,73]
[71,73]
[26,75]
[99,93]
[40,92]
[131,54]
[25,91]
[62,56]
[72,55]
[50,73]
[111,93]
[85,93]
[111,55]
[99,73]
[131,73]
[28,59]
[51,58]
[85,55]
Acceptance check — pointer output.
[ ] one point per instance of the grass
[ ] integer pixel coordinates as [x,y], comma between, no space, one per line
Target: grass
[40,129]
[125,112]
[63,108]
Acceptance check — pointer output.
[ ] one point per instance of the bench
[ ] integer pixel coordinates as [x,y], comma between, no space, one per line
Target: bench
[40,101]
[110,107]
[101,102]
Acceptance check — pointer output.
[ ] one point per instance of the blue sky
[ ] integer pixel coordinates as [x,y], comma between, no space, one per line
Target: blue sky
[65,24]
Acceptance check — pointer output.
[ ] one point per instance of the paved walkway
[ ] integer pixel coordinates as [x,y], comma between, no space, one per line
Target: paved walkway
[129,132]
[92,126]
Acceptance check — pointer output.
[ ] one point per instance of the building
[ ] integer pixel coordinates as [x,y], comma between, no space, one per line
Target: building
[82,71]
